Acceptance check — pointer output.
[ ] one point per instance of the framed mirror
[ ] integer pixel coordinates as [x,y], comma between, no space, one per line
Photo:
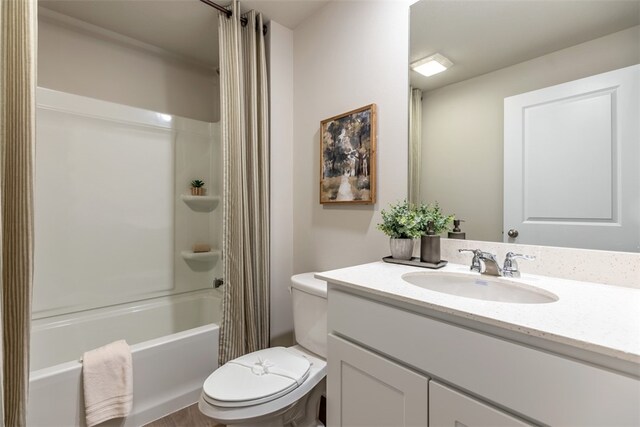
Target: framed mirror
[529,128]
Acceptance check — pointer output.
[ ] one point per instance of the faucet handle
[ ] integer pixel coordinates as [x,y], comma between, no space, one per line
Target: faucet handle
[511,266]
[474,251]
[513,256]
[475,262]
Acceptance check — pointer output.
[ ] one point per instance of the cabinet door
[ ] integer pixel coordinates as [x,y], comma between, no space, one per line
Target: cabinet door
[365,389]
[449,408]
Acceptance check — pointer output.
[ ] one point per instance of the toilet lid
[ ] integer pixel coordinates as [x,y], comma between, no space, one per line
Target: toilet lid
[256,377]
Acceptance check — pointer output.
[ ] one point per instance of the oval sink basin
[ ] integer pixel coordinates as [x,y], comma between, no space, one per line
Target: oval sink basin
[480,287]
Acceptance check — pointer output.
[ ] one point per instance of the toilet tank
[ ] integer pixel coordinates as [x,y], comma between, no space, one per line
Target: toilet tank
[309,297]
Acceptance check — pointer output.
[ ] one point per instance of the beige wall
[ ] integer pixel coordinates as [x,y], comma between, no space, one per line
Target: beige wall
[93,65]
[463,127]
[347,55]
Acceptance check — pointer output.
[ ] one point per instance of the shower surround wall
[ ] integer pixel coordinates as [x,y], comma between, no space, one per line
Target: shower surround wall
[111,224]
[113,221]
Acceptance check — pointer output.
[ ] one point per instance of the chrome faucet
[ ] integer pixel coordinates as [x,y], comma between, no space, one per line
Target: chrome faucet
[510,268]
[491,266]
[475,262]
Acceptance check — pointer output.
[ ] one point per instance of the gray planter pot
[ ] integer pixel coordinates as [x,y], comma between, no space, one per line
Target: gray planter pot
[430,249]
[401,248]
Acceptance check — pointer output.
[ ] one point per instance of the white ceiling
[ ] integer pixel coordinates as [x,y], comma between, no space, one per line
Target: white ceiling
[289,13]
[481,36]
[188,28]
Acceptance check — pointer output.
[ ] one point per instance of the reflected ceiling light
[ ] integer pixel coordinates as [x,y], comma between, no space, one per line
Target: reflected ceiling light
[431,65]
[164,117]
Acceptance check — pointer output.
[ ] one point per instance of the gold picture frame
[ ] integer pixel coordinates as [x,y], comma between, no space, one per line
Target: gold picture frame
[348,157]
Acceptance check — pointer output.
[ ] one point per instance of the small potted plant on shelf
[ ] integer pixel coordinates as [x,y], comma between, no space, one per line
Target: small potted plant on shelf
[197,187]
[402,224]
[432,223]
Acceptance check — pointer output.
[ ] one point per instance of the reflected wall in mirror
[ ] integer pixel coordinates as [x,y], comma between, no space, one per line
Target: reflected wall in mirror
[575,150]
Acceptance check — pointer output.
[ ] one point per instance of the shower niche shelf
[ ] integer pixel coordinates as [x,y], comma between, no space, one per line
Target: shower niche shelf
[201,260]
[201,203]
[201,257]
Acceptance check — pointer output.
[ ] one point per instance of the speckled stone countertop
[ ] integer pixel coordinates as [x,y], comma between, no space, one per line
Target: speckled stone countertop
[600,318]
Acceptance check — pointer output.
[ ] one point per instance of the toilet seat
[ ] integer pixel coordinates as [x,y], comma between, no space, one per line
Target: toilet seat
[251,414]
[256,378]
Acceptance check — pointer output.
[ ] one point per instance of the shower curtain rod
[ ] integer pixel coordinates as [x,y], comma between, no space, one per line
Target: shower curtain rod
[227,12]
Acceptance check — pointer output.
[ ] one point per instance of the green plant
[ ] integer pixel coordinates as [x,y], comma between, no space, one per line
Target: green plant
[196,183]
[401,221]
[431,213]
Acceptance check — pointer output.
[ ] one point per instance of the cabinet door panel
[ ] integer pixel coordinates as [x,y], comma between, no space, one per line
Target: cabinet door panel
[365,389]
[449,408]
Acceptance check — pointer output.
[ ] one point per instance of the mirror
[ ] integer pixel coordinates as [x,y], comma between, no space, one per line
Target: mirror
[563,168]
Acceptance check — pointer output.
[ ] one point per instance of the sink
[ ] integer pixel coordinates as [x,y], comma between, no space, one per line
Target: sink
[486,288]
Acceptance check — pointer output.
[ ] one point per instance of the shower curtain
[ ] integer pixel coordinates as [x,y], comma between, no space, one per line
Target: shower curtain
[245,130]
[415,144]
[17,142]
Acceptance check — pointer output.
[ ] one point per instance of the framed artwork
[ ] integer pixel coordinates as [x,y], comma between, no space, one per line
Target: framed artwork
[348,157]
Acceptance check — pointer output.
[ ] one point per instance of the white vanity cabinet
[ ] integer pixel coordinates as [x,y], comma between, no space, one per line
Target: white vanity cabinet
[369,390]
[389,365]
[450,408]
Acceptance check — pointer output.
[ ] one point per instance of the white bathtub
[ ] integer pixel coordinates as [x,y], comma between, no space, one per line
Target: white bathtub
[174,343]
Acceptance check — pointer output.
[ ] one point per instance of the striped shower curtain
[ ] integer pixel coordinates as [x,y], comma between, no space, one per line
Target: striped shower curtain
[17,141]
[245,130]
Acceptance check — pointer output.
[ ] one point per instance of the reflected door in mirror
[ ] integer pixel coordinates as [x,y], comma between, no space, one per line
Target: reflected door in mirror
[571,163]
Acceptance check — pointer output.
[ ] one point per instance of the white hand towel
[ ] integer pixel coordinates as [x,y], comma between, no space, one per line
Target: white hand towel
[108,382]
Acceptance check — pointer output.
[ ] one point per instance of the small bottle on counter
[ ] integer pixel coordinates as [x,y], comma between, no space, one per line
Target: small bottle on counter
[456,233]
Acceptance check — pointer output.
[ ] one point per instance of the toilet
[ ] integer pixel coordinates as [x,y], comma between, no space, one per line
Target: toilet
[277,386]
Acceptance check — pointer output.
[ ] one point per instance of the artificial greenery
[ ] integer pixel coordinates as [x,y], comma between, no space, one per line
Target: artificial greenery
[432,219]
[401,221]
[196,183]
[406,221]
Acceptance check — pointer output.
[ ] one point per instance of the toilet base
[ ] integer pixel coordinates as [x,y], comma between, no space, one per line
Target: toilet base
[303,413]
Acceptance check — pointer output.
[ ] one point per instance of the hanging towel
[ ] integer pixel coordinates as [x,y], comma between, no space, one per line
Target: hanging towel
[108,382]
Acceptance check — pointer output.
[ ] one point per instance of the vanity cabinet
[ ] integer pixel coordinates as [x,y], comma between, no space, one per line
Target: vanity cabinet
[366,389]
[450,408]
[382,354]
[369,390]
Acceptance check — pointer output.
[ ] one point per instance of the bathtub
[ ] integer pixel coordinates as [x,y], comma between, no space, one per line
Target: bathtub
[174,344]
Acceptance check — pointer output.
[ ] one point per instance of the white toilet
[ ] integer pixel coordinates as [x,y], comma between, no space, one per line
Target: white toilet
[277,386]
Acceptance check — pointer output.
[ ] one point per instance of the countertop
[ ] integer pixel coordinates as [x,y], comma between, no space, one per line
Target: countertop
[603,319]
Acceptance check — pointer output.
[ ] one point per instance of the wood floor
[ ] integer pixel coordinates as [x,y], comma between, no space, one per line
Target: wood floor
[187,417]
[192,417]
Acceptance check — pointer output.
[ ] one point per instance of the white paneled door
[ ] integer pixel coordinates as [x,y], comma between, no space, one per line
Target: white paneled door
[572,163]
